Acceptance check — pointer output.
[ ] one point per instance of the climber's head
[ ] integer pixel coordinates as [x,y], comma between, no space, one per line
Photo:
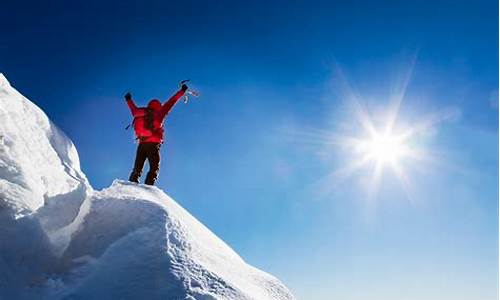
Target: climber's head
[154,104]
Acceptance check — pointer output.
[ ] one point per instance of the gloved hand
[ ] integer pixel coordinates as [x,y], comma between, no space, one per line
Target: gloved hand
[128,96]
[184,87]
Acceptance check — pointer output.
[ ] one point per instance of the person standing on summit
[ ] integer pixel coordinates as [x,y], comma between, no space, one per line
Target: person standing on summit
[148,127]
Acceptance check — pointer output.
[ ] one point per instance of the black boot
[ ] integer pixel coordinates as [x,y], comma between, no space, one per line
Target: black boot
[134,177]
[151,178]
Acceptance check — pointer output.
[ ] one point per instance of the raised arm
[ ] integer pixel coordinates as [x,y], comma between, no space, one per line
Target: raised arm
[131,104]
[165,109]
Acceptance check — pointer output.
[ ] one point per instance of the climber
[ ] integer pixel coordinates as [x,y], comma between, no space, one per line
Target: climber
[148,127]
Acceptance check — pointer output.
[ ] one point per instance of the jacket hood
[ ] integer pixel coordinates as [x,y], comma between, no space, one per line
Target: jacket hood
[154,104]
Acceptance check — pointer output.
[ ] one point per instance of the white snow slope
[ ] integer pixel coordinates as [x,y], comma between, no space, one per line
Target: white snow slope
[60,239]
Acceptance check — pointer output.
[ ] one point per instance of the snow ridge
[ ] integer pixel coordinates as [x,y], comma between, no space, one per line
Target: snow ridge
[128,241]
[37,161]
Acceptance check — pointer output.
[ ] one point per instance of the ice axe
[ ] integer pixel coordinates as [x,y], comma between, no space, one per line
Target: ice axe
[189,92]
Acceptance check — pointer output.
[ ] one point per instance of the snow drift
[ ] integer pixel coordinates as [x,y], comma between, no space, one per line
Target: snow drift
[61,239]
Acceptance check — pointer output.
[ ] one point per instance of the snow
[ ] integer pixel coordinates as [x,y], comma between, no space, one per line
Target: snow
[61,239]
[37,161]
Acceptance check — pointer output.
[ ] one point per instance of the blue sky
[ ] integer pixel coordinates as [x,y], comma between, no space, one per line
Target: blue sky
[252,158]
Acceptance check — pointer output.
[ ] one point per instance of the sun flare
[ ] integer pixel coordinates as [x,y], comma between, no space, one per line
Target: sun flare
[377,144]
[384,148]
[381,152]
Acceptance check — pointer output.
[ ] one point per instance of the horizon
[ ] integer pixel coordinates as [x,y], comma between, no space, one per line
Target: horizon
[350,152]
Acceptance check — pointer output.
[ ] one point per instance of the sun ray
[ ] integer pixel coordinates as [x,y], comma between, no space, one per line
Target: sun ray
[376,146]
[405,182]
[398,94]
[334,179]
[351,97]
[375,180]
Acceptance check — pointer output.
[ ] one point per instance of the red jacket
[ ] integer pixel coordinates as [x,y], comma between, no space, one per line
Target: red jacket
[145,134]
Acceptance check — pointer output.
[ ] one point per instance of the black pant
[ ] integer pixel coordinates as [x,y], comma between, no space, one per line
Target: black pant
[151,151]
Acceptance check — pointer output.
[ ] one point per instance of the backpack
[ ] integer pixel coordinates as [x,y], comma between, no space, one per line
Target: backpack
[148,119]
[148,124]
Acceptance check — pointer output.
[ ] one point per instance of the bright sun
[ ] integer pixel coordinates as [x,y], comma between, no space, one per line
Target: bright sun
[384,148]
[371,143]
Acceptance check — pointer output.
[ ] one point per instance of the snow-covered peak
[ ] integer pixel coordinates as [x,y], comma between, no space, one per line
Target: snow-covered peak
[3,80]
[143,231]
[37,160]
[60,239]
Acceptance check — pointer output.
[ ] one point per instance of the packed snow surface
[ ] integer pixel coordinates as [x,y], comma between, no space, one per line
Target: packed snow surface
[61,239]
